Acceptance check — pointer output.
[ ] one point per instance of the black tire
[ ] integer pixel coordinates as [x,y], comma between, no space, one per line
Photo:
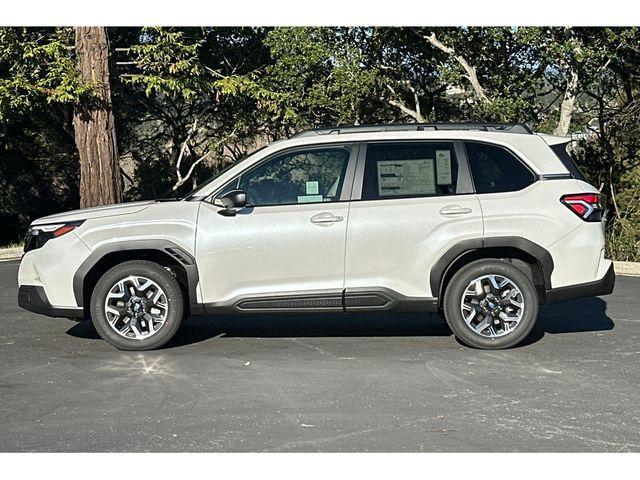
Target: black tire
[456,288]
[163,278]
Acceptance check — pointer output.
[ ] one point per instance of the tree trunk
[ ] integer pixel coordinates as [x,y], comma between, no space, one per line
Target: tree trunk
[568,105]
[95,133]
[469,69]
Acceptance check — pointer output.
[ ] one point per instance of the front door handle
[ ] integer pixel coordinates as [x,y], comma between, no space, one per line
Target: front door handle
[325,218]
[453,210]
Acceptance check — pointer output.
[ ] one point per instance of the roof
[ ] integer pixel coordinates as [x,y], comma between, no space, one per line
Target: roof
[517,128]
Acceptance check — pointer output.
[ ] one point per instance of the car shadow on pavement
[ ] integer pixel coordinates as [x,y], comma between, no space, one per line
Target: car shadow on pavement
[573,316]
[583,315]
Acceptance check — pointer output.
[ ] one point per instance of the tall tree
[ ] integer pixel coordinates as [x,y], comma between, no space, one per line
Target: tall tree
[93,122]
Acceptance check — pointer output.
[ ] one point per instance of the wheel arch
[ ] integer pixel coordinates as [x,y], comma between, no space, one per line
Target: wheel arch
[163,252]
[530,257]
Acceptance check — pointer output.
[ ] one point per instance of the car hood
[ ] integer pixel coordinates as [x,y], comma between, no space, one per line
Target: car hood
[95,212]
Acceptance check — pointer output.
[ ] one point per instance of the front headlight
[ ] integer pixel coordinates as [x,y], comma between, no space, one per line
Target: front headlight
[38,235]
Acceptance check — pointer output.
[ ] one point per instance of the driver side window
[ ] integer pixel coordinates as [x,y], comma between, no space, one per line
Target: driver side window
[314,175]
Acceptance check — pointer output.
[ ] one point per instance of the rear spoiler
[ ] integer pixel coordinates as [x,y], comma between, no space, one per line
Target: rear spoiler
[553,140]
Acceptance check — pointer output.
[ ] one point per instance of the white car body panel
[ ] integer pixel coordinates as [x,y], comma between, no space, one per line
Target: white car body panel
[59,259]
[270,250]
[95,212]
[394,243]
[53,266]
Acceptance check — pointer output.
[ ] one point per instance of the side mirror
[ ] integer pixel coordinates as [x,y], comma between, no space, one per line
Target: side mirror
[233,202]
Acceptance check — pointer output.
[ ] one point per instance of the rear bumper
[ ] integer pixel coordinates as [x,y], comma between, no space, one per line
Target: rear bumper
[34,299]
[604,286]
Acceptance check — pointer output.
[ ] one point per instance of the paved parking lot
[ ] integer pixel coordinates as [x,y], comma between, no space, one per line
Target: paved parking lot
[324,383]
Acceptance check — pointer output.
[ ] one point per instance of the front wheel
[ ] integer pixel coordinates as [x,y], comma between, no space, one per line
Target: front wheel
[491,304]
[137,305]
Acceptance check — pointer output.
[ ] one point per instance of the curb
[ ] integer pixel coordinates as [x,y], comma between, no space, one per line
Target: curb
[621,268]
[627,268]
[10,253]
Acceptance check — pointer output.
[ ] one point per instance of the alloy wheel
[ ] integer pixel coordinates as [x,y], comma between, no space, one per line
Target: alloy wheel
[136,307]
[492,305]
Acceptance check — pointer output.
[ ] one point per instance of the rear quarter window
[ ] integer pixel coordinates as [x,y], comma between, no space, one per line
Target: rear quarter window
[561,152]
[495,169]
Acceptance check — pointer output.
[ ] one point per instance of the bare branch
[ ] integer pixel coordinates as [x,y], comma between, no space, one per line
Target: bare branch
[183,179]
[181,155]
[470,70]
[415,114]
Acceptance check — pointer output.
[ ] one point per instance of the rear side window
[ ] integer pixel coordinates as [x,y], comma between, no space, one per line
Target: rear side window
[409,169]
[561,152]
[495,169]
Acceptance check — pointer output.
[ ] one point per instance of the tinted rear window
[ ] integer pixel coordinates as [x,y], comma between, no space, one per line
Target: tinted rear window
[561,152]
[496,170]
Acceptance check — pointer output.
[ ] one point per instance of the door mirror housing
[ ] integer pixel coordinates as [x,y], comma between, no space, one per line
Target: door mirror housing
[233,202]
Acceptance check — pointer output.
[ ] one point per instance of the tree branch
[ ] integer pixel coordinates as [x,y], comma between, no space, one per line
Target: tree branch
[470,70]
[415,114]
[568,105]
[183,179]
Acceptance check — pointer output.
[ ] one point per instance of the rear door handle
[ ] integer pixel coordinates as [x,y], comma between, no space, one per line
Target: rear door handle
[325,218]
[453,210]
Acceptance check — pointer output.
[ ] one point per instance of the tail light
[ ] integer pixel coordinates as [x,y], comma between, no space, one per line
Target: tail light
[589,207]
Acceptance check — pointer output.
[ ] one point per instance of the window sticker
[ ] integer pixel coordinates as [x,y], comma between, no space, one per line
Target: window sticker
[310,198]
[406,177]
[443,164]
[312,188]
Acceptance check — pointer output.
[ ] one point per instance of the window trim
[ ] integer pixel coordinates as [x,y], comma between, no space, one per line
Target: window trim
[347,183]
[534,175]
[464,174]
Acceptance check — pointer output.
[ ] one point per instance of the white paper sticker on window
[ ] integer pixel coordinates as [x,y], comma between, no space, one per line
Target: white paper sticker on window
[406,177]
[310,198]
[443,167]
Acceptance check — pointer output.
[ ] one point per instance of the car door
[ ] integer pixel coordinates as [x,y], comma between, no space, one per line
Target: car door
[412,201]
[285,250]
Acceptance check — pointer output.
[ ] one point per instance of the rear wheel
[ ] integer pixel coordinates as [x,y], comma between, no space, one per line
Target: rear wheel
[137,305]
[491,304]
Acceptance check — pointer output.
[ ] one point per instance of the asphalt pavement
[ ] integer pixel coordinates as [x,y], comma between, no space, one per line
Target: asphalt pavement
[383,383]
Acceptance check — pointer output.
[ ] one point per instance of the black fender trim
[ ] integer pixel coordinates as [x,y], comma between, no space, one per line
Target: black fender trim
[166,247]
[441,267]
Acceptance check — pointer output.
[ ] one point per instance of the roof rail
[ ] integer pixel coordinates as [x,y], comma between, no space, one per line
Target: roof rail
[397,127]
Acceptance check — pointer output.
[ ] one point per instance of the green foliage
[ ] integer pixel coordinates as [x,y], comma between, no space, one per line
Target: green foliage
[38,161]
[316,76]
[169,64]
[243,87]
[37,65]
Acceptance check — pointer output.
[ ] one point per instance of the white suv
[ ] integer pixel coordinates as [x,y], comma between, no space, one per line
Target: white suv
[481,223]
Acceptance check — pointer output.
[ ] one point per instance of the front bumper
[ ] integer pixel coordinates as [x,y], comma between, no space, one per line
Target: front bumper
[34,299]
[604,286]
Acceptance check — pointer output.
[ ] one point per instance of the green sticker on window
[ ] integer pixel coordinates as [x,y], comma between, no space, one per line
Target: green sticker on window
[312,188]
[310,198]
